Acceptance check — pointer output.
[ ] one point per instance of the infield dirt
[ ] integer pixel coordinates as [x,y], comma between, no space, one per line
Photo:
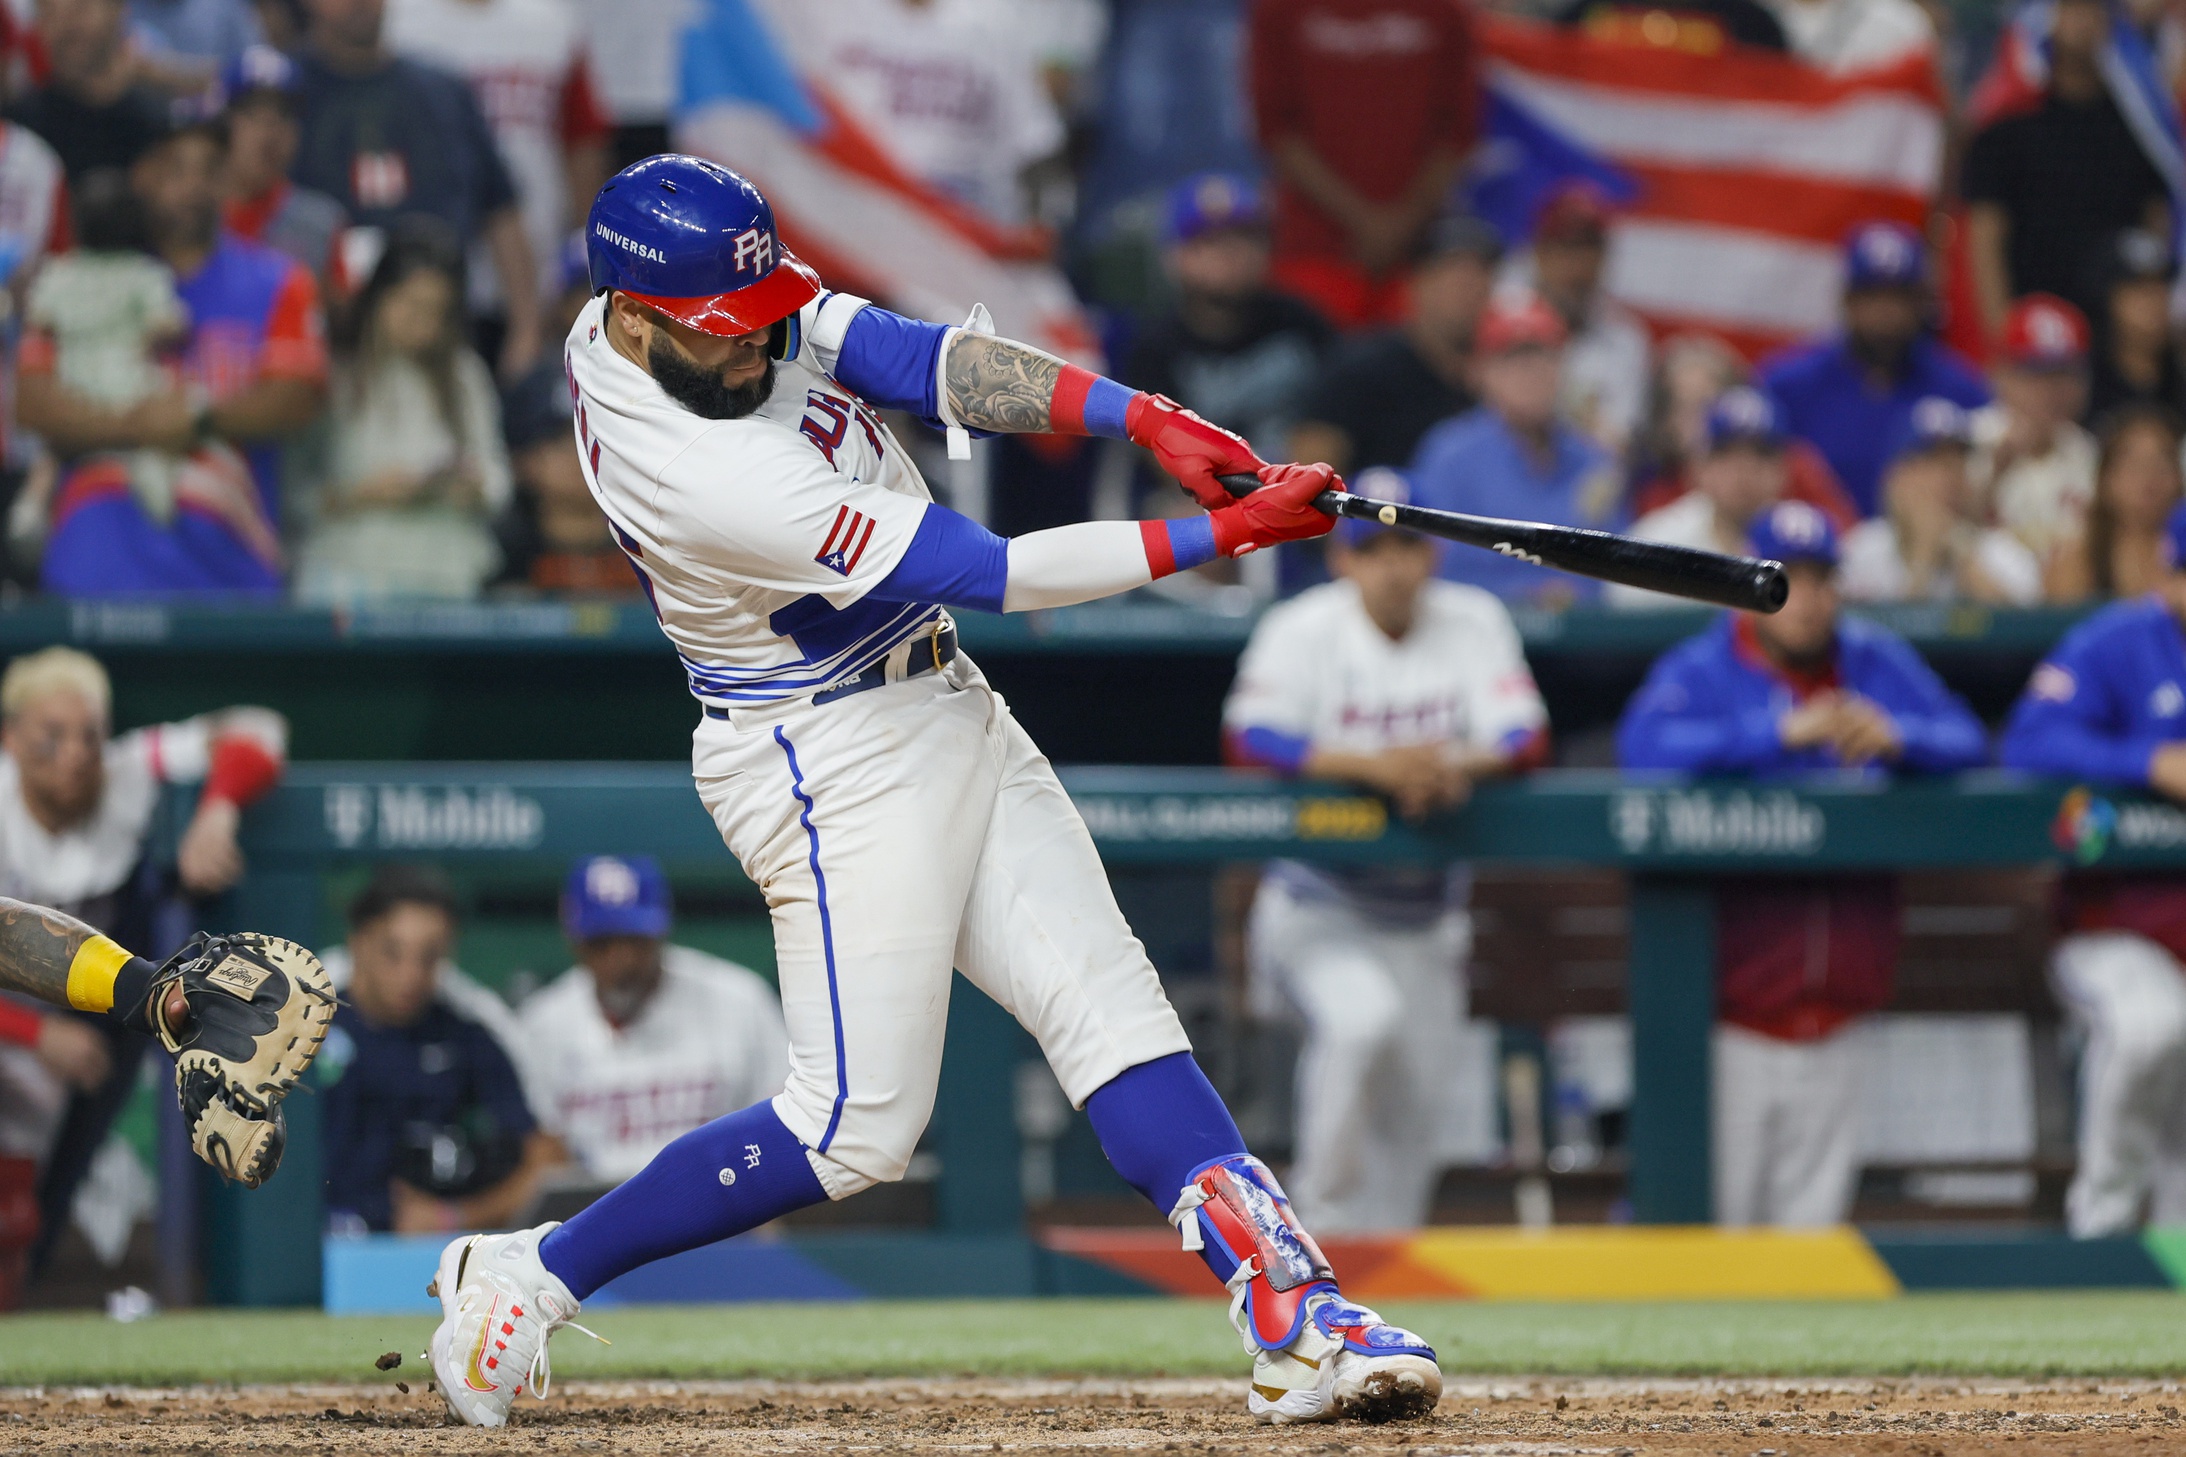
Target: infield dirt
[1539,1418]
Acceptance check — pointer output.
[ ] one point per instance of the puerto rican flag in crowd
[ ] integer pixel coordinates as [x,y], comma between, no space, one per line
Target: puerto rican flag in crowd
[843,205]
[1740,170]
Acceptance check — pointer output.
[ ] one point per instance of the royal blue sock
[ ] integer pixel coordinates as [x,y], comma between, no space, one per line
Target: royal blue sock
[734,1174]
[1160,1122]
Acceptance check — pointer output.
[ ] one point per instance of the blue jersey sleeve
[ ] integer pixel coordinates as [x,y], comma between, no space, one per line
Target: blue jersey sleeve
[1678,721]
[952,560]
[2070,720]
[1273,749]
[893,362]
[1938,731]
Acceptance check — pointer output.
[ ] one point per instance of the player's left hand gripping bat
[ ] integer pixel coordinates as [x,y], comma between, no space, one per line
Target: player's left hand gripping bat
[1680,571]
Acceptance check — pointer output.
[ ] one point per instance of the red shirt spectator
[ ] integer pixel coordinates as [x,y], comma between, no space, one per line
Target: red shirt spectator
[1367,107]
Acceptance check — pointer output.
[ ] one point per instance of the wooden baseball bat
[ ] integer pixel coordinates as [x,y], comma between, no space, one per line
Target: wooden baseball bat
[1679,571]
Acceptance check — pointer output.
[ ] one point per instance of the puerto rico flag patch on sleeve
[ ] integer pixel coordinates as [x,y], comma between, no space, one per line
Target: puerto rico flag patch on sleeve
[846,541]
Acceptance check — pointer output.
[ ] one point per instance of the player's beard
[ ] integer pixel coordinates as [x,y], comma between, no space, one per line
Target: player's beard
[700,390]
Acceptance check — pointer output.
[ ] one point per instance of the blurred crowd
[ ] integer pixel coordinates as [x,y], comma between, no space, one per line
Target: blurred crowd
[285,282]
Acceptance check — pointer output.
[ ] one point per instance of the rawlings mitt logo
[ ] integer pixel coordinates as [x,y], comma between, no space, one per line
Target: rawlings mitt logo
[238,977]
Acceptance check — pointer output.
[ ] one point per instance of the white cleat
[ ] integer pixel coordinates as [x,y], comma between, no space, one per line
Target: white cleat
[498,1307]
[1346,1362]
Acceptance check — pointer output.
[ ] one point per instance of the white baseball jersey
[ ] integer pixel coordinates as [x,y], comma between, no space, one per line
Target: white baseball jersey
[756,539]
[88,862]
[709,1042]
[1318,669]
[1319,672]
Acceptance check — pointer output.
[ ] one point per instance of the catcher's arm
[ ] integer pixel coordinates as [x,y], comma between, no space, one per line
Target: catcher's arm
[59,960]
[243,1015]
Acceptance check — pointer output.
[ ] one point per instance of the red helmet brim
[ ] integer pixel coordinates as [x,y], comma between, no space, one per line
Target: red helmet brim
[789,287]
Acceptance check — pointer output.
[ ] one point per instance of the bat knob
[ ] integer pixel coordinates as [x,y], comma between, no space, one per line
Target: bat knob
[1771,588]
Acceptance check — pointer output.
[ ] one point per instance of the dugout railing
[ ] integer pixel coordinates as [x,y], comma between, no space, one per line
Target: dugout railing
[1133,681]
[1668,837]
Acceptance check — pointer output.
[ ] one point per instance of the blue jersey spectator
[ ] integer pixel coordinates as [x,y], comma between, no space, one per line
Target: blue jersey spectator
[1797,959]
[427,1127]
[1514,457]
[2109,706]
[1850,394]
[251,373]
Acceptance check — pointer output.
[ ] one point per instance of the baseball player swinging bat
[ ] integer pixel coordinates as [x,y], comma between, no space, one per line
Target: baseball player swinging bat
[1680,571]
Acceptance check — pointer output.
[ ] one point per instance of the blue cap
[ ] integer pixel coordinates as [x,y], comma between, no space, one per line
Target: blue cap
[2174,538]
[1744,415]
[1793,531]
[617,895]
[1379,483]
[1885,255]
[1932,424]
[1211,201]
[257,68]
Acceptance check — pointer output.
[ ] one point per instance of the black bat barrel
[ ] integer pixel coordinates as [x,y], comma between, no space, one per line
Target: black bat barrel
[1679,571]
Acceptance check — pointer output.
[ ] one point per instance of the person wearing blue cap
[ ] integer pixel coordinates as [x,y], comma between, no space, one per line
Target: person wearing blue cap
[2108,708]
[1741,472]
[1798,960]
[1230,347]
[1850,392]
[258,93]
[1413,689]
[1930,543]
[642,1041]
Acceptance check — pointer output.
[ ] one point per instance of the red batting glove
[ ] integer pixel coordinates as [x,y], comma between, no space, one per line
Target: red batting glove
[1281,510]
[1189,448]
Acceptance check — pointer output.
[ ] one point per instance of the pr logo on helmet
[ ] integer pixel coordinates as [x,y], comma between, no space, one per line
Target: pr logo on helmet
[754,251]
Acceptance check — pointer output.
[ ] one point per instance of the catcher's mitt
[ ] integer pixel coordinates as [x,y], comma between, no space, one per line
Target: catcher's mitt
[259,1008]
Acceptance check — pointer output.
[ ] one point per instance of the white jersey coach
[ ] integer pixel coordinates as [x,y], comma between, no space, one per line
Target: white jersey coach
[708,1041]
[1373,959]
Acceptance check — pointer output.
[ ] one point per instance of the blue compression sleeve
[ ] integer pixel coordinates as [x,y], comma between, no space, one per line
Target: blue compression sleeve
[730,1175]
[1158,1123]
[1275,749]
[952,560]
[892,361]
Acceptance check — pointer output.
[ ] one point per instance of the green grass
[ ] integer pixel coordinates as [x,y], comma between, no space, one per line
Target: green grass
[2079,1333]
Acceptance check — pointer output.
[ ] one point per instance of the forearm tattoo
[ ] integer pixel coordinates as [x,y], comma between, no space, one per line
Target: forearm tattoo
[999,384]
[36,947]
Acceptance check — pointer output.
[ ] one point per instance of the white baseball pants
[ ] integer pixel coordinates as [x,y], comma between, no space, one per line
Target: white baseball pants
[898,833]
[1382,1006]
[2129,997]
[1785,1128]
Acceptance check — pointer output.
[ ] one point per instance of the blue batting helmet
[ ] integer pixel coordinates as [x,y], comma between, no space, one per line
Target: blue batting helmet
[697,242]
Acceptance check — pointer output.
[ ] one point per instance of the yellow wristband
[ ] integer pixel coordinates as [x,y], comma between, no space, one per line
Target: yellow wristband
[91,975]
